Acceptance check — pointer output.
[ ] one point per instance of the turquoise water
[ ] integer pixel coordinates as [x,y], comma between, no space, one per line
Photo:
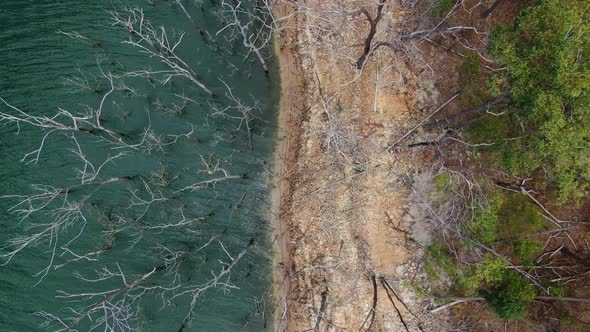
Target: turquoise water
[43,70]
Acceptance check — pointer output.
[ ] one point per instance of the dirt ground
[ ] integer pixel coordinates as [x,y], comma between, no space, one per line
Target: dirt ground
[344,234]
[348,242]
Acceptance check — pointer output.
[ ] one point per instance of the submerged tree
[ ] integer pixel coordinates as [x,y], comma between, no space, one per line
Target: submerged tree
[56,217]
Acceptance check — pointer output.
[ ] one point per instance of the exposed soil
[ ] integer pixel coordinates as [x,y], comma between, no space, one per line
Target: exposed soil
[345,251]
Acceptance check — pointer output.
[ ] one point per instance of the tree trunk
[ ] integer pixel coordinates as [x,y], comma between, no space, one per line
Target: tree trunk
[459,300]
[463,114]
[373,30]
[488,11]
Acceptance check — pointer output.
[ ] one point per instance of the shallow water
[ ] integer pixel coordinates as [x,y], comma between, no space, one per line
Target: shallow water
[37,67]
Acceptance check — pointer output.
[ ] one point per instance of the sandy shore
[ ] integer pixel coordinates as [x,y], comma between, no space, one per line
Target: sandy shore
[285,156]
[342,259]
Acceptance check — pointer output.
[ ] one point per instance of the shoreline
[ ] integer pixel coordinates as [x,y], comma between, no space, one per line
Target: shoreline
[335,233]
[284,158]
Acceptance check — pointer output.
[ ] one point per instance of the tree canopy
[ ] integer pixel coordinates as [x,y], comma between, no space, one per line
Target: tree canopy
[547,59]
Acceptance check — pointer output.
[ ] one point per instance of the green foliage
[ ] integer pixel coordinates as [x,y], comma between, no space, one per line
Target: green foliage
[556,289]
[517,158]
[483,228]
[442,182]
[518,216]
[487,272]
[506,291]
[526,250]
[431,271]
[491,269]
[510,298]
[442,7]
[496,85]
[445,184]
[488,129]
[470,78]
[566,321]
[485,223]
[438,258]
[547,54]
[419,290]
[470,68]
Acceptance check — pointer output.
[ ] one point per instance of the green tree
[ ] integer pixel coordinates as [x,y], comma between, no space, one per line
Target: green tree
[511,298]
[547,57]
[484,225]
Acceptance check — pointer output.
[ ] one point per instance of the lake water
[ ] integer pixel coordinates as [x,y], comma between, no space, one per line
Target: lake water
[149,250]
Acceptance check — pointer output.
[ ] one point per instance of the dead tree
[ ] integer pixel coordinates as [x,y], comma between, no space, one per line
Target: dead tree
[154,42]
[114,311]
[408,42]
[237,110]
[220,279]
[117,308]
[398,44]
[66,207]
[247,25]
[460,300]
[193,22]
[89,121]
[83,82]
[340,140]
[452,120]
[77,36]
[455,229]
[62,121]
[213,168]
[373,22]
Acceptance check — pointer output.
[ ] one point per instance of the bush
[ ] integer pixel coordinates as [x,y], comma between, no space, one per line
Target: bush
[484,226]
[438,256]
[488,129]
[487,273]
[515,157]
[511,298]
[473,90]
[519,217]
[526,249]
[443,183]
[518,158]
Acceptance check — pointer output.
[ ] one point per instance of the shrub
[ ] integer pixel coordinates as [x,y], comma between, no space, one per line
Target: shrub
[484,226]
[519,217]
[526,249]
[487,272]
[517,158]
[442,183]
[489,129]
[511,298]
[438,255]
[496,85]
